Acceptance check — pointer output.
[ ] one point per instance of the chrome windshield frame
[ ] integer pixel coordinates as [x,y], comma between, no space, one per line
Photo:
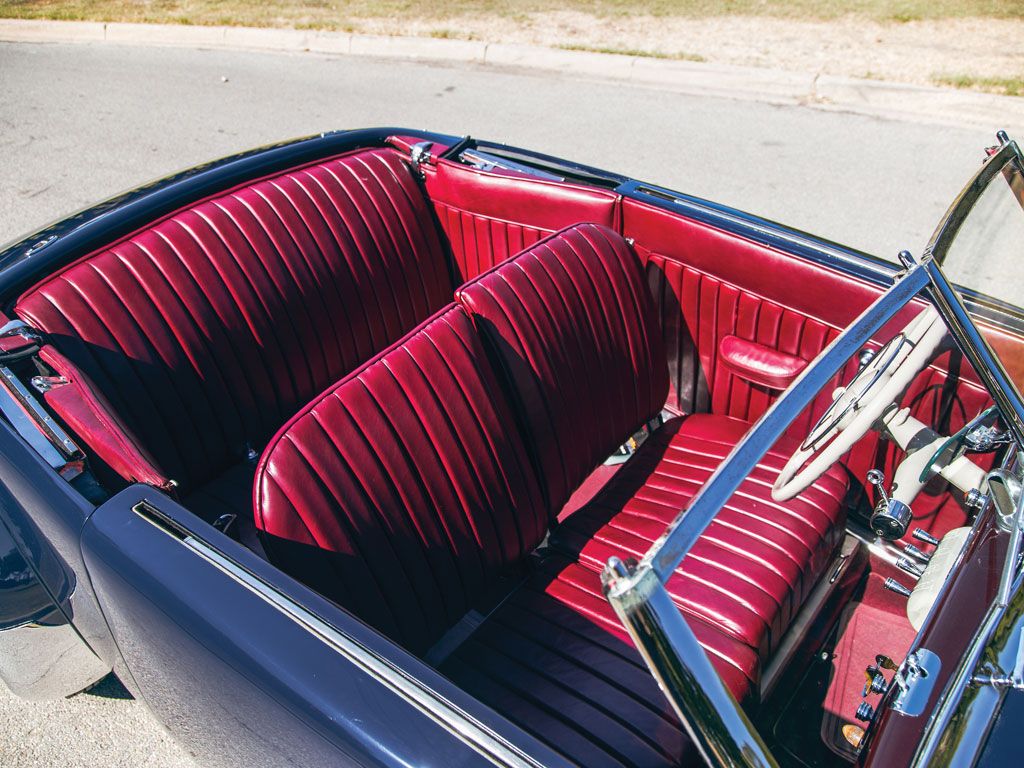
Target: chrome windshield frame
[708,711]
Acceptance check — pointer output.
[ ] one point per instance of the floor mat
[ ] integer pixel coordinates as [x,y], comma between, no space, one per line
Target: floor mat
[865,631]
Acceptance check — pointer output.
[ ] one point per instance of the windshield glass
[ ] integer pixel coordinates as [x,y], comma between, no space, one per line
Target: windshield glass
[986,253]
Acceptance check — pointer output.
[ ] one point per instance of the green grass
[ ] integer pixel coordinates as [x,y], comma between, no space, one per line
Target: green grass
[340,14]
[679,56]
[1007,86]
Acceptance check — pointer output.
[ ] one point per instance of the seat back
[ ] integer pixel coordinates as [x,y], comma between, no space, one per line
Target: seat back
[208,329]
[402,492]
[572,325]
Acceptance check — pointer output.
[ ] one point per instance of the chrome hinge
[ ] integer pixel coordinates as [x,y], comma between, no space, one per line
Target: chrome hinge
[998,679]
[914,681]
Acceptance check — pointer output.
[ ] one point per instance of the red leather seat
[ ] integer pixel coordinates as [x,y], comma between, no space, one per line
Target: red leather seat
[416,488]
[189,343]
[574,330]
[754,566]
[403,494]
[400,492]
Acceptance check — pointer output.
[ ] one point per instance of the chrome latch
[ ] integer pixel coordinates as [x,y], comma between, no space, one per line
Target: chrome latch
[999,679]
[914,681]
[419,155]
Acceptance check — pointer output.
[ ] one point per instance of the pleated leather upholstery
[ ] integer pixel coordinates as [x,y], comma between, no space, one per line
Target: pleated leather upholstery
[754,566]
[573,327]
[489,216]
[555,660]
[402,492]
[208,329]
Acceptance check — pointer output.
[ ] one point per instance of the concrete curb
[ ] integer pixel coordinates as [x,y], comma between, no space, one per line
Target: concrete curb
[870,97]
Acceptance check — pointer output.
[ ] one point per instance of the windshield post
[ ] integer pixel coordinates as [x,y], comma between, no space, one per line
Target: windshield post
[721,731]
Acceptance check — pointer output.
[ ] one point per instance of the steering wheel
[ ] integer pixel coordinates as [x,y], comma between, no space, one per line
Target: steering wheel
[855,407]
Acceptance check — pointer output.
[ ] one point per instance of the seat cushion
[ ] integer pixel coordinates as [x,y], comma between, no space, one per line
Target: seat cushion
[556,661]
[401,492]
[573,328]
[755,564]
[207,330]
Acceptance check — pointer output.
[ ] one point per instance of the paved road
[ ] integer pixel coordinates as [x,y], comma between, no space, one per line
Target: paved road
[78,124]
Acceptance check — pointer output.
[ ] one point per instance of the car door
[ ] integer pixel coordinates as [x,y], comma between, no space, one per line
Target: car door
[246,667]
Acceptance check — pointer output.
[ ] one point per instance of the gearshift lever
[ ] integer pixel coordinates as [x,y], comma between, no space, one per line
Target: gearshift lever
[890,517]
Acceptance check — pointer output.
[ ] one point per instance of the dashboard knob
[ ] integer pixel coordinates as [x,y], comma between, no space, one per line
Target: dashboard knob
[909,566]
[922,535]
[864,712]
[894,586]
[916,553]
[890,519]
[876,682]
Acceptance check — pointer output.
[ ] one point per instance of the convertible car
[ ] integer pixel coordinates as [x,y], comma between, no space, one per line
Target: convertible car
[391,448]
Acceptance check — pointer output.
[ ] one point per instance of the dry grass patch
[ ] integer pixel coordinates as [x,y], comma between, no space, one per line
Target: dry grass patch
[678,56]
[344,14]
[1005,86]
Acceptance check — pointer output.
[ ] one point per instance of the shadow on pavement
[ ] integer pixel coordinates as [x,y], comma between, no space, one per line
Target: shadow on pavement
[109,688]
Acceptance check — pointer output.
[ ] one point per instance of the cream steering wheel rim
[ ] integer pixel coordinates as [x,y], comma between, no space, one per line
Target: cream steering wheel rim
[923,336]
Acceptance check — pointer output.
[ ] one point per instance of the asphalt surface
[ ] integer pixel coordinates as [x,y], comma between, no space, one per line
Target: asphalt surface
[80,123]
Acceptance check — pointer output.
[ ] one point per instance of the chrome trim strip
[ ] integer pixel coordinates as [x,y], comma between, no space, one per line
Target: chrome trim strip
[467,729]
[36,426]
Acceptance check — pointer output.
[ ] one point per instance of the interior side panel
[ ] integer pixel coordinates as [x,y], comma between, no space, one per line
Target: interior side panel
[491,215]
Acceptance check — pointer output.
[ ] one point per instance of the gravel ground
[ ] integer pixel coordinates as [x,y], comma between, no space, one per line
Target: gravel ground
[921,52]
[102,727]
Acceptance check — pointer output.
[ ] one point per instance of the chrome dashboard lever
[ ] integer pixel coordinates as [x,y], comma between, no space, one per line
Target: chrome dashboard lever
[916,553]
[890,517]
[894,586]
[922,535]
[909,566]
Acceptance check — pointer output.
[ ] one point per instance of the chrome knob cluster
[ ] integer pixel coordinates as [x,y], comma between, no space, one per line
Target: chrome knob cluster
[876,683]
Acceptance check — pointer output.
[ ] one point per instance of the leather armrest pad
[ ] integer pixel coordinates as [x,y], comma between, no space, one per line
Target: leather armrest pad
[88,414]
[758,363]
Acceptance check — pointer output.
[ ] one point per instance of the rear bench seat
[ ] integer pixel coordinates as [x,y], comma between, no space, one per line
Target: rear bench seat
[408,494]
[188,344]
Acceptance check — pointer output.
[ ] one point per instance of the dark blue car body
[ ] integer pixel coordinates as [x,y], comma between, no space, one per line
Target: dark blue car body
[227,651]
